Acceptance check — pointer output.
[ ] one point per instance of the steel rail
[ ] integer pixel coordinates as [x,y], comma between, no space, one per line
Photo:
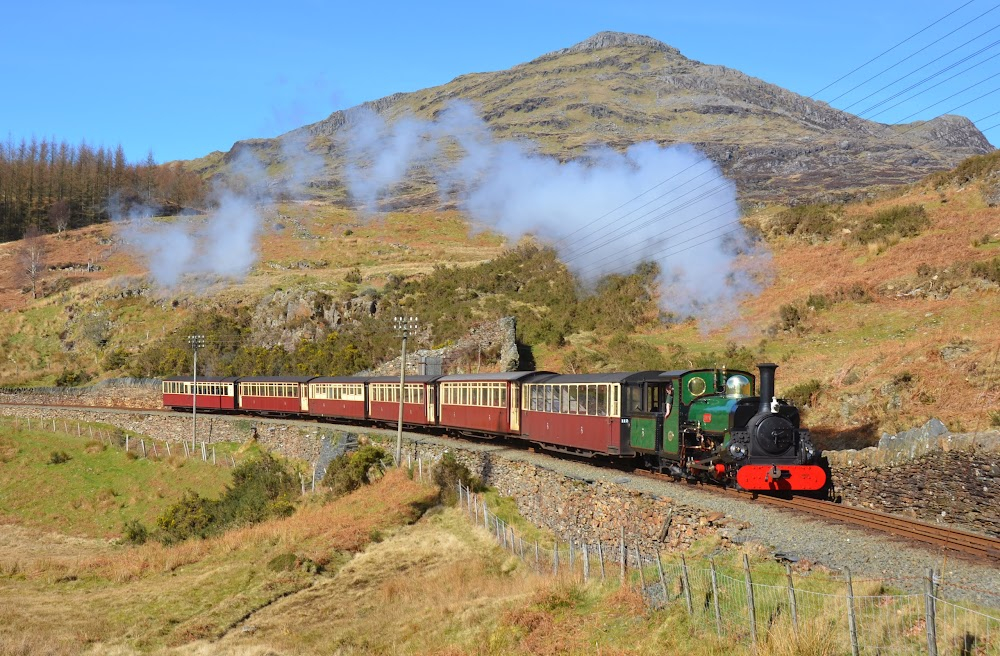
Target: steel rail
[952,539]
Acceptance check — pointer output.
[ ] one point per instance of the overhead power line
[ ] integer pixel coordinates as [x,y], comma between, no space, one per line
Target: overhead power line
[911,55]
[941,71]
[886,52]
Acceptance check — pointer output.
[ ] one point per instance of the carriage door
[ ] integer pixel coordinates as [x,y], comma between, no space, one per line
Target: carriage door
[431,404]
[514,402]
[305,397]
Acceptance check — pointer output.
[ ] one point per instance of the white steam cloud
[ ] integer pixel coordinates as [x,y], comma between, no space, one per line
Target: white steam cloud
[199,250]
[605,212]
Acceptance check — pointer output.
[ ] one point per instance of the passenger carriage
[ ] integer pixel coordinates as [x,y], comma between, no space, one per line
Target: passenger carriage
[585,414]
[419,400]
[483,405]
[279,395]
[212,394]
[338,396]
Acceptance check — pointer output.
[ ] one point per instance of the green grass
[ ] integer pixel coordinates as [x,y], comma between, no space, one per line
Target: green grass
[100,487]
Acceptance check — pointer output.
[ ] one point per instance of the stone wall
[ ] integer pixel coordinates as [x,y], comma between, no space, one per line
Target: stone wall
[298,440]
[591,511]
[103,396]
[927,473]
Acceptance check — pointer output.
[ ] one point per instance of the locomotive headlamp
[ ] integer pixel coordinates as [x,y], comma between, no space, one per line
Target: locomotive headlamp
[738,451]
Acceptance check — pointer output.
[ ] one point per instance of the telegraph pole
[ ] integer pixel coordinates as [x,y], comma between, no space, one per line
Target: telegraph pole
[196,342]
[403,325]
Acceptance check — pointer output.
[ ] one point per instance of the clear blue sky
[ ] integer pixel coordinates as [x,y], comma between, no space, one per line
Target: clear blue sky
[185,78]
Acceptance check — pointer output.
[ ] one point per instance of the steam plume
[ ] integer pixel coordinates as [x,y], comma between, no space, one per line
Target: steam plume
[604,212]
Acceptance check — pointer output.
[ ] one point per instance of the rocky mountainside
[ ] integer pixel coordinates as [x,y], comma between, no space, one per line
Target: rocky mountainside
[618,89]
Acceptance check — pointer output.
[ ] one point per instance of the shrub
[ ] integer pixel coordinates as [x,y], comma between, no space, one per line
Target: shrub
[627,354]
[804,394]
[790,316]
[58,457]
[989,270]
[190,517]
[71,377]
[354,276]
[348,472]
[818,301]
[135,532]
[116,358]
[448,472]
[262,488]
[995,419]
[815,220]
[899,220]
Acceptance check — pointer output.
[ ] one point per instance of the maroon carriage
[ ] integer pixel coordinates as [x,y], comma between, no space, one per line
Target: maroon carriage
[337,396]
[483,405]
[212,393]
[419,400]
[279,395]
[576,413]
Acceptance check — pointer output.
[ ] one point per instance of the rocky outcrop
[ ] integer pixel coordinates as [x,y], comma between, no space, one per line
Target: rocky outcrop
[286,317]
[489,346]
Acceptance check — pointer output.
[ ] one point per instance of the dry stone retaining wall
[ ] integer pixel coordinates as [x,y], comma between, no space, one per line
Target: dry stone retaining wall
[591,511]
[928,473]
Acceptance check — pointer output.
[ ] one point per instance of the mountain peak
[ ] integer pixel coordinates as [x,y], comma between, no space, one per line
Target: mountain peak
[603,40]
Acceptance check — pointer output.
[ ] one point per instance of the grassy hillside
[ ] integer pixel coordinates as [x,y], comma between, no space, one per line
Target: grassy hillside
[880,313]
[381,570]
[96,488]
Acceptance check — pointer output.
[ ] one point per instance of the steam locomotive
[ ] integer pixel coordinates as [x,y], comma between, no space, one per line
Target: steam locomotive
[698,424]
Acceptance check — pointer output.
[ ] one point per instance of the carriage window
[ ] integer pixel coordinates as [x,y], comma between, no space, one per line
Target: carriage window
[602,400]
[555,398]
[592,400]
[548,398]
[652,399]
[503,396]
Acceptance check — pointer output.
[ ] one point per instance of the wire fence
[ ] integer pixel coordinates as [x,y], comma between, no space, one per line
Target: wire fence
[852,616]
[138,446]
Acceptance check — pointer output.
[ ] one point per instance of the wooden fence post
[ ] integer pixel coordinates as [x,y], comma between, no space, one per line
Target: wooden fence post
[142,442]
[600,557]
[126,443]
[791,600]
[715,598]
[852,622]
[621,558]
[586,564]
[555,558]
[687,585]
[168,449]
[571,559]
[663,581]
[751,610]
[537,568]
[930,607]
[642,575]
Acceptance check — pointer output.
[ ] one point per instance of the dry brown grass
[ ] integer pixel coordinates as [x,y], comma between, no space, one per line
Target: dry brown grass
[83,593]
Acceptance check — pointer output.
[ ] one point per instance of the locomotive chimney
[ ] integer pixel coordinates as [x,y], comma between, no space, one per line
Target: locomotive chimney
[766,386]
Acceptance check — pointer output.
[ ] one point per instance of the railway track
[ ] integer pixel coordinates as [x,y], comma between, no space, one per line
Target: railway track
[951,539]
